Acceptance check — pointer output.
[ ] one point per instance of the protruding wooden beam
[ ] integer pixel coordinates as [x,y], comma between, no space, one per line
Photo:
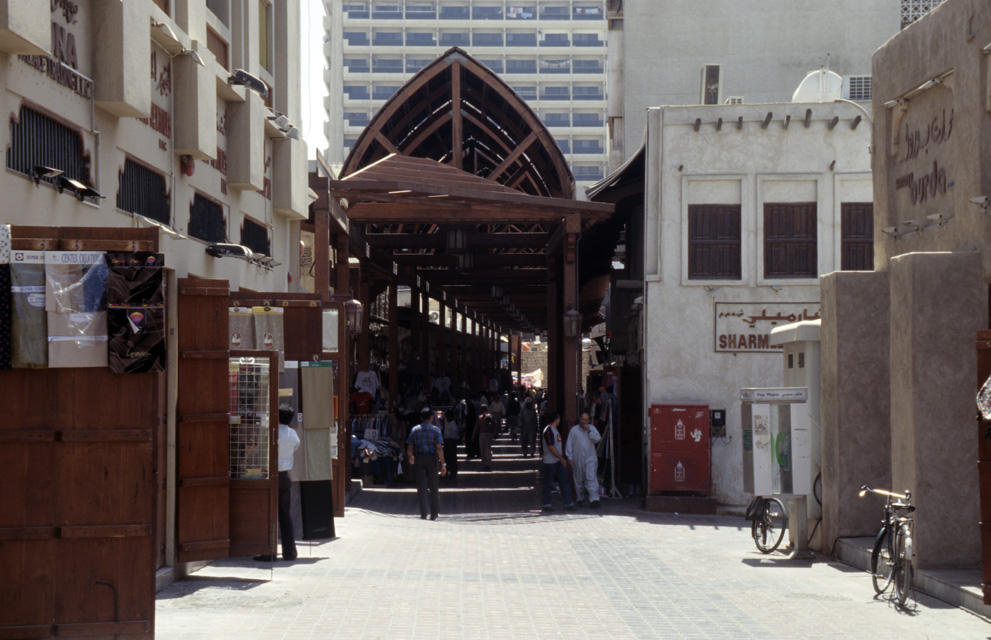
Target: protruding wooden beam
[457,125]
[808,118]
[767,120]
[856,121]
[719,124]
[698,123]
[832,123]
[739,123]
[516,153]
[787,121]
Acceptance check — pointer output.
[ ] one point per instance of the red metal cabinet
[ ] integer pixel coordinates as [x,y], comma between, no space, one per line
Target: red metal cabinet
[679,448]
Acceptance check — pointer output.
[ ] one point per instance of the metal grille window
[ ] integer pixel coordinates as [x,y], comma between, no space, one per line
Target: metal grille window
[912,10]
[143,191]
[206,220]
[255,237]
[857,236]
[39,141]
[790,238]
[713,242]
[249,418]
[859,88]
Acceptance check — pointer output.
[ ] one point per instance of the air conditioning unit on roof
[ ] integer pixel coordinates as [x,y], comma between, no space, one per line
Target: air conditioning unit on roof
[857,88]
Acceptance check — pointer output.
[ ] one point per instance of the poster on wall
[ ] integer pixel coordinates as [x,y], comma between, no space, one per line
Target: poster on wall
[745,327]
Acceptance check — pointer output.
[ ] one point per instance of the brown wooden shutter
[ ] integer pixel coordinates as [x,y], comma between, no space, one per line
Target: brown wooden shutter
[790,237]
[857,236]
[714,242]
[202,428]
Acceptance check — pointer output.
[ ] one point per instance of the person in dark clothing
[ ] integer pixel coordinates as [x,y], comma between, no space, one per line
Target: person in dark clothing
[425,449]
[471,442]
[452,432]
[513,416]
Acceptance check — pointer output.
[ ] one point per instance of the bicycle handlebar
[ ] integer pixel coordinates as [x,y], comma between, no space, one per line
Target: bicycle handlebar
[864,490]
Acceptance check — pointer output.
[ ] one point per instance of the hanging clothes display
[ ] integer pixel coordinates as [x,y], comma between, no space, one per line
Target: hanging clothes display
[242,328]
[5,308]
[136,312]
[268,331]
[76,302]
[319,433]
[29,324]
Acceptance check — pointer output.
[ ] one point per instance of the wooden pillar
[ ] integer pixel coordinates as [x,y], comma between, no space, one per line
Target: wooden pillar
[452,351]
[519,358]
[342,466]
[364,348]
[321,242]
[425,338]
[415,333]
[572,346]
[442,369]
[552,381]
[393,342]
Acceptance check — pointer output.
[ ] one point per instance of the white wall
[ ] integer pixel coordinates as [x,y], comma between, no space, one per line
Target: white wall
[748,166]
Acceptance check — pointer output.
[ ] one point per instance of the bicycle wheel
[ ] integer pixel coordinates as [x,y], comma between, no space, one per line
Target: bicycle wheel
[902,573]
[770,529]
[881,559]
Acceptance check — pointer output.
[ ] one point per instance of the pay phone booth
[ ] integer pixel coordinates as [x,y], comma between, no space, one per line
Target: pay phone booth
[776,452]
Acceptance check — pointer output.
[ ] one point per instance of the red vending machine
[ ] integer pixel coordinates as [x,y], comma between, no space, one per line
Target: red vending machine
[679,448]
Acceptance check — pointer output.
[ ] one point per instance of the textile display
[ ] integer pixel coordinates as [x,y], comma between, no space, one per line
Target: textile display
[268,331]
[136,313]
[318,433]
[242,328]
[75,281]
[29,323]
[77,339]
[4,244]
[5,316]
[330,330]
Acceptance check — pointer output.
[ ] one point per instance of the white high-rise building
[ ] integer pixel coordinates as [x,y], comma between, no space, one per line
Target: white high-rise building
[551,52]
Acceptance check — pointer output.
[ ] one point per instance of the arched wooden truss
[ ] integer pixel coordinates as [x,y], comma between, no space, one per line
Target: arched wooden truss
[458,112]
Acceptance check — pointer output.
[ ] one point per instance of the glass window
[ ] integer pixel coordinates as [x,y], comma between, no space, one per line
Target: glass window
[587,173]
[588,40]
[588,145]
[554,11]
[487,39]
[387,38]
[493,64]
[381,64]
[555,65]
[422,39]
[421,11]
[526,92]
[357,65]
[387,11]
[143,191]
[384,92]
[521,66]
[586,65]
[349,142]
[857,236]
[356,91]
[455,12]
[415,64]
[588,119]
[356,118]
[487,13]
[555,93]
[521,12]
[557,119]
[356,10]
[790,237]
[713,241]
[521,39]
[588,11]
[356,38]
[255,237]
[564,144]
[554,40]
[265,35]
[221,9]
[588,93]
[454,39]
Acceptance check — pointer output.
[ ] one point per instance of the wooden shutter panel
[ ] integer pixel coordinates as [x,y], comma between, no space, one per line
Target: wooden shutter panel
[857,236]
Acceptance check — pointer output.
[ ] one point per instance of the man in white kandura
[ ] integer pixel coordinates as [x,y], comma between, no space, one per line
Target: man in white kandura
[580,450]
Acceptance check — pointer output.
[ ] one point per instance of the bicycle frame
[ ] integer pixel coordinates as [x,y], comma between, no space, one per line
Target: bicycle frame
[894,541]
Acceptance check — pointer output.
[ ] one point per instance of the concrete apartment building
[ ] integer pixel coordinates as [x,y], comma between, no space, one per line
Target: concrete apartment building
[552,53]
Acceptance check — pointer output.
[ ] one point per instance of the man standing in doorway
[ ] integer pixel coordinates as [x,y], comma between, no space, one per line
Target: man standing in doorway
[288,443]
[424,447]
[580,451]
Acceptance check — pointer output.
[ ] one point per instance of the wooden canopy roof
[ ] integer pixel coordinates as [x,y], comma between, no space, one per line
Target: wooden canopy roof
[457,154]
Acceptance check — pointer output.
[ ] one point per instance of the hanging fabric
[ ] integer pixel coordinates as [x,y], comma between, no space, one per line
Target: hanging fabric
[136,313]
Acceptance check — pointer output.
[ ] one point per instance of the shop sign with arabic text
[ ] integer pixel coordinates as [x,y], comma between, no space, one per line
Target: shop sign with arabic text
[745,327]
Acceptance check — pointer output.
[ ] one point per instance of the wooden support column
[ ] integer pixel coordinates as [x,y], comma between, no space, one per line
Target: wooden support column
[393,343]
[415,331]
[452,350]
[552,381]
[342,268]
[457,135]
[364,344]
[441,342]
[425,338]
[572,346]
[519,358]
[461,344]
[321,246]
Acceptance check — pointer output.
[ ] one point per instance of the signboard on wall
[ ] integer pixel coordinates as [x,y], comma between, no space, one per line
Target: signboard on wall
[745,327]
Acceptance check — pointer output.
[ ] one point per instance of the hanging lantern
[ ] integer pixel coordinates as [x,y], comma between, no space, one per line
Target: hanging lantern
[572,323]
[456,242]
[355,313]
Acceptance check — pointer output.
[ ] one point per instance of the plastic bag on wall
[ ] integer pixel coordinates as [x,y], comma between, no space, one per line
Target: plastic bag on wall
[29,323]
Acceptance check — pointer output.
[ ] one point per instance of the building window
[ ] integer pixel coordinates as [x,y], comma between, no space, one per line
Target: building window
[557,119]
[218,47]
[588,173]
[206,220]
[588,119]
[421,39]
[143,191]
[555,93]
[356,65]
[265,39]
[381,64]
[586,145]
[521,12]
[564,144]
[790,237]
[857,88]
[555,11]
[421,11]
[387,38]
[356,91]
[713,242]
[588,66]
[494,65]
[555,40]
[588,93]
[356,10]
[255,237]
[455,13]
[384,92]
[555,65]
[521,66]
[39,141]
[521,39]
[912,10]
[857,236]
[356,38]
[455,39]
[349,142]
[221,9]
[356,118]
[163,5]
[585,11]
[487,13]
[415,64]
[387,11]
[527,93]
[487,39]
[588,40]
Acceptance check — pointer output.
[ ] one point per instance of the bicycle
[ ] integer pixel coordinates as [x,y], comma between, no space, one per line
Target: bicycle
[891,557]
[769,521]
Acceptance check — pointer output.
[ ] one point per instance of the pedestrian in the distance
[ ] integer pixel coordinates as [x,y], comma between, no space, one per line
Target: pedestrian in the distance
[555,463]
[485,431]
[498,411]
[452,431]
[288,443]
[528,431]
[424,448]
[580,451]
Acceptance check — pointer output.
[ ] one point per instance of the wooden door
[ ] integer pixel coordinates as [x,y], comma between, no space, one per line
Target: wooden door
[984,463]
[77,463]
[202,474]
[254,457]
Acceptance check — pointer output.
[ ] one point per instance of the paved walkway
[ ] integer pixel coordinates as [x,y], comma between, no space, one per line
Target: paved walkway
[494,566]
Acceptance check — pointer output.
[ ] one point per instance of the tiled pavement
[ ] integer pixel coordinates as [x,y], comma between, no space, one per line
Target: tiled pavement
[495,566]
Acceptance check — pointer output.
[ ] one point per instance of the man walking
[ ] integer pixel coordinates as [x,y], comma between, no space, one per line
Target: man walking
[555,463]
[580,450]
[485,430]
[288,443]
[424,447]
[452,433]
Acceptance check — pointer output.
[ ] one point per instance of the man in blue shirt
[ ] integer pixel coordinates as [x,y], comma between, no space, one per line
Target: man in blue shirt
[424,448]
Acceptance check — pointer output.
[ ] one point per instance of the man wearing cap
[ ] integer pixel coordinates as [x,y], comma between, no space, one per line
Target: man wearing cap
[424,448]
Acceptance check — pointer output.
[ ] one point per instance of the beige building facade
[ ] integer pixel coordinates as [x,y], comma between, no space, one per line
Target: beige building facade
[899,364]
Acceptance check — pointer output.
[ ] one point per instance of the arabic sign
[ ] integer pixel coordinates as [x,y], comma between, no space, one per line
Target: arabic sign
[745,327]
[775,395]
